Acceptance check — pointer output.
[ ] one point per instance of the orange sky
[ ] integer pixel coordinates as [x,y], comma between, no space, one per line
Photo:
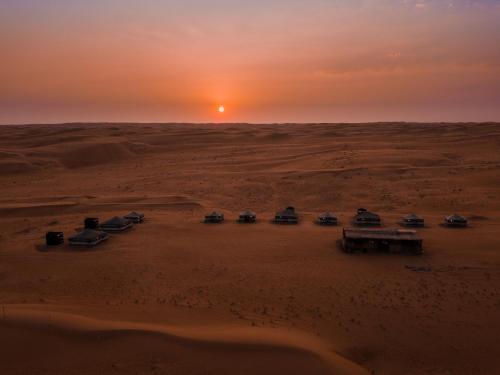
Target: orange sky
[266,61]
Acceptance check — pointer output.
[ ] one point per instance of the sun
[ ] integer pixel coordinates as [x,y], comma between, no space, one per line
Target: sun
[221,109]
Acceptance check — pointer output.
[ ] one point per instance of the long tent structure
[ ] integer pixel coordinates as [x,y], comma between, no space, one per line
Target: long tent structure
[388,240]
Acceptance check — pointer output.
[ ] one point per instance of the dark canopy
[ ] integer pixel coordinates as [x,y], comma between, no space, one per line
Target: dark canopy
[88,235]
[117,222]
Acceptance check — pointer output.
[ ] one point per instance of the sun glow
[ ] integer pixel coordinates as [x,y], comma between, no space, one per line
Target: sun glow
[221,109]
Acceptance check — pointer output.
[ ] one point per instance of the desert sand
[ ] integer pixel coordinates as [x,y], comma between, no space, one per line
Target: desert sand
[176,296]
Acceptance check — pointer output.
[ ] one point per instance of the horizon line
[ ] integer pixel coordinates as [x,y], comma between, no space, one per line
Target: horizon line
[243,123]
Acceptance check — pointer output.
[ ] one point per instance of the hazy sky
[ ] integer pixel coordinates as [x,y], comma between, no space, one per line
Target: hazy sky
[265,60]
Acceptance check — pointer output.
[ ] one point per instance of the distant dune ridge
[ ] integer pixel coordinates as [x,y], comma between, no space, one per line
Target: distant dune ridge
[176,296]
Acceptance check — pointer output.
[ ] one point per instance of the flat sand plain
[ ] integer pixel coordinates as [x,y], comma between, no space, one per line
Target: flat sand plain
[176,296]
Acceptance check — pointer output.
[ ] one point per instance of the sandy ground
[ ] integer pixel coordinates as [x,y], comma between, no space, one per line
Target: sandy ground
[177,296]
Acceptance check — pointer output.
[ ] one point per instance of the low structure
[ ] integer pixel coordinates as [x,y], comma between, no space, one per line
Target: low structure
[54,238]
[91,223]
[247,216]
[455,221]
[389,240]
[88,237]
[214,217]
[413,220]
[116,224]
[327,218]
[287,216]
[365,217]
[135,217]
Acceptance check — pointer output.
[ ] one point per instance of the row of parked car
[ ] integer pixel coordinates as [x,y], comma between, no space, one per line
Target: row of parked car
[362,217]
[94,232]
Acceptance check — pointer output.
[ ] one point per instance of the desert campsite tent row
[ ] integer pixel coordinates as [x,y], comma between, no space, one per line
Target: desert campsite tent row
[93,232]
[362,218]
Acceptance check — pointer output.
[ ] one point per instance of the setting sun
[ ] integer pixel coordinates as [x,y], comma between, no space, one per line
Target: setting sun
[221,109]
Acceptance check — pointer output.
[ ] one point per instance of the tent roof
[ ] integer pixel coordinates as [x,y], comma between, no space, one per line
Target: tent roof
[368,215]
[134,214]
[328,215]
[287,212]
[382,234]
[412,217]
[116,221]
[87,234]
[456,217]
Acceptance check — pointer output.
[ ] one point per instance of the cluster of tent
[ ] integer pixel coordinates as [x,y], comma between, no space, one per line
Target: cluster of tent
[287,216]
[94,233]
[363,217]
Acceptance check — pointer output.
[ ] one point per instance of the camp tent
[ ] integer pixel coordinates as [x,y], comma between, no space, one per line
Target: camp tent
[116,224]
[327,218]
[135,217]
[413,220]
[367,218]
[54,238]
[214,217]
[287,216]
[91,223]
[455,221]
[88,237]
[247,216]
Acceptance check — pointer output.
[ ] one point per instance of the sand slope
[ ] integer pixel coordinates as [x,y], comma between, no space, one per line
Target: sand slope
[63,342]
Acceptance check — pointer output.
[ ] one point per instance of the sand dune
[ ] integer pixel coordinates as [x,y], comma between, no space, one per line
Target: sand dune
[81,204]
[248,299]
[220,349]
